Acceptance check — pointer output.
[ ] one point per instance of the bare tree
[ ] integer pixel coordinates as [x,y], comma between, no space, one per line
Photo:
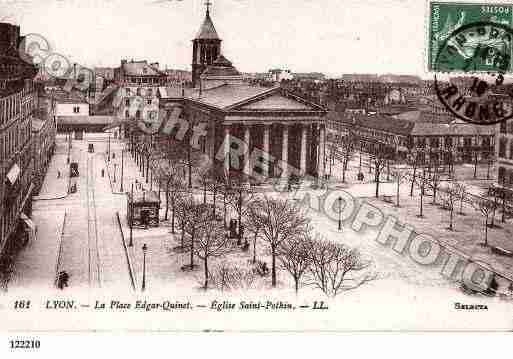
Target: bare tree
[380,159]
[295,256]
[346,149]
[252,226]
[195,220]
[486,207]
[280,220]
[239,195]
[226,277]
[334,267]
[414,160]
[422,182]
[451,197]
[400,175]
[462,195]
[211,242]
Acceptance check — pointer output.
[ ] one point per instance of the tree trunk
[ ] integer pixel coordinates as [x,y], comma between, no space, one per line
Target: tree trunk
[192,249]
[182,224]
[398,187]
[254,247]
[413,180]
[167,201]
[214,194]
[486,231]
[240,210]
[344,167]
[206,272]
[173,212]
[273,269]
[189,165]
[296,284]
[377,182]
[421,201]
[450,225]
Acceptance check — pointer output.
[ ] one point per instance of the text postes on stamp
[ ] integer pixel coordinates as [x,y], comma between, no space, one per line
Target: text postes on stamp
[471,37]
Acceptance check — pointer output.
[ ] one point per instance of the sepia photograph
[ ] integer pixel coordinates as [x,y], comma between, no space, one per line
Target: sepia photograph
[255,166]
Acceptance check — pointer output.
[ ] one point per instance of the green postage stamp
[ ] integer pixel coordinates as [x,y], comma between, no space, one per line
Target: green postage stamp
[470,37]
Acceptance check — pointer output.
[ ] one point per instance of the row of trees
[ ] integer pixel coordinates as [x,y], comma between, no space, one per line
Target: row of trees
[202,216]
[288,237]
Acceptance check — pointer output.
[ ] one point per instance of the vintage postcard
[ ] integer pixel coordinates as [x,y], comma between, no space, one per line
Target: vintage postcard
[243,165]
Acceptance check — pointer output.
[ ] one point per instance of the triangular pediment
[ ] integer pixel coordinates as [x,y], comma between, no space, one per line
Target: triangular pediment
[277,100]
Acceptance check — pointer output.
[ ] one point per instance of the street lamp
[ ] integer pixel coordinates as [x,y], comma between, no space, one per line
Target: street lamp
[144,249]
[339,213]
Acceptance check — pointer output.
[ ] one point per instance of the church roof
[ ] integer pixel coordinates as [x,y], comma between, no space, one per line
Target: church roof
[221,67]
[207,30]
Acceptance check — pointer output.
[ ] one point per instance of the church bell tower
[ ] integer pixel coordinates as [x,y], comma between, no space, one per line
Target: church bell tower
[206,47]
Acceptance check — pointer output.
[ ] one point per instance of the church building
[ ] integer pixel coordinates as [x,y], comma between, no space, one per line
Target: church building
[281,133]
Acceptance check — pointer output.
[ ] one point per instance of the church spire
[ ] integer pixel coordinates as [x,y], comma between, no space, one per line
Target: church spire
[207,30]
[208,4]
[206,46]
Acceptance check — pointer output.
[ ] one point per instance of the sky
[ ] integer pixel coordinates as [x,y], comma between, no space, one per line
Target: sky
[329,36]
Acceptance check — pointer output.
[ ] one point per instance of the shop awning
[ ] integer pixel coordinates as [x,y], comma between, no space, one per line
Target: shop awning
[13,174]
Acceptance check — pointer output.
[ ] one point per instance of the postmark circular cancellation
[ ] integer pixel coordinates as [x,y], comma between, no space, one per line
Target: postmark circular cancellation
[482,50]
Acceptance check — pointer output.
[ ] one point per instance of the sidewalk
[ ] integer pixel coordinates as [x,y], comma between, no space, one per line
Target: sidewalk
[36,263]
[53,187]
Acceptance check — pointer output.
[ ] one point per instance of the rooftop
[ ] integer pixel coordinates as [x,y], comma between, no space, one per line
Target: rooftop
[140,68]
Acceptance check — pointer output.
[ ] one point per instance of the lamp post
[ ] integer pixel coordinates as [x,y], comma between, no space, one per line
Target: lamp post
[108,154]
[115,168]
[144,249]
[122,168]
[131,243]
[339,213]
[69,147]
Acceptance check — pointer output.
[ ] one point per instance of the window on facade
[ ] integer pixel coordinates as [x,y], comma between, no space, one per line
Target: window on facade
[127,114]
[127,102]
[76,109]
[421,142]
[467,142]
[149,102]
[149,92]
[128,91]
[138,114]
[138,91]
[502,148]
[434,142]
[448,142]
[503,127]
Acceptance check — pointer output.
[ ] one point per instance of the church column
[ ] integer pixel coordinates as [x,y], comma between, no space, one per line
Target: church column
[247,152]
[320,152]
[302,160]
[226,150]
[285,150]
[266,151]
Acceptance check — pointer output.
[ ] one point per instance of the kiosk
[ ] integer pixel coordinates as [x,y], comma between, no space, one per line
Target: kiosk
[143,209]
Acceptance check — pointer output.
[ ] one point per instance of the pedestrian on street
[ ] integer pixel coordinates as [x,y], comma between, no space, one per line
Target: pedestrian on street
[103,172]
[58,174]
